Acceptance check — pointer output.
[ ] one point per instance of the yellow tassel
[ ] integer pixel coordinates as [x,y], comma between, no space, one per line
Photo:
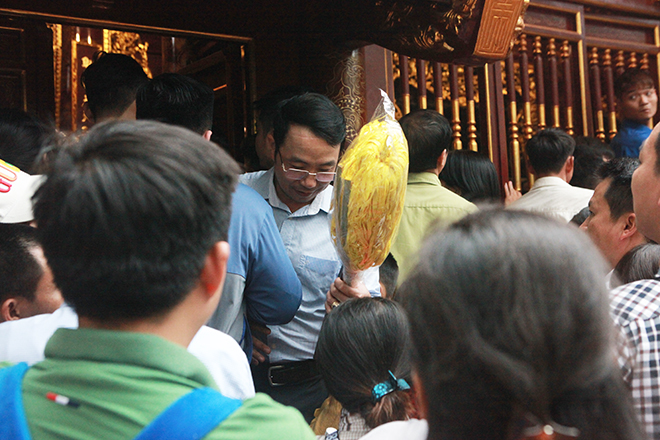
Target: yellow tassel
[369,194]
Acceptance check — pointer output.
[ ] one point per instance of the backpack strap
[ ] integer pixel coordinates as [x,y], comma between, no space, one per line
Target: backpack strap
[14,424]
[191,417]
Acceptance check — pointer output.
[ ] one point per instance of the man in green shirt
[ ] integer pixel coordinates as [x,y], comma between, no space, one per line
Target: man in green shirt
[427,202]
[133,220]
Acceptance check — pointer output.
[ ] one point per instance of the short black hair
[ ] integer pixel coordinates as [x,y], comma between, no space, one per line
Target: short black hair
[590,153]
[473,175]
[631,79]
[266,107]
[128,213]
[176,99]
[20,271]
[428,134]
[22,136]
[111,83]
[314,111]
[549,149]
[619,195]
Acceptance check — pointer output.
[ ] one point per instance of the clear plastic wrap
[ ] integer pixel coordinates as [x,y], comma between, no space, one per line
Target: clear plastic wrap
[369,192]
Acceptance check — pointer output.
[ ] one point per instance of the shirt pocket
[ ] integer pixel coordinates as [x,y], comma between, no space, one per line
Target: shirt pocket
[317,276]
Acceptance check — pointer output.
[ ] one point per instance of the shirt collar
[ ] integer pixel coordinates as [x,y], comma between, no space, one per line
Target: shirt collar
[629,123]
[550,181]
[127,348]
[321,202]
[424,177]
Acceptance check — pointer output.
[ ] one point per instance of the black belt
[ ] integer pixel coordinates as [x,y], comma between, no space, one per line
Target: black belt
[292,373]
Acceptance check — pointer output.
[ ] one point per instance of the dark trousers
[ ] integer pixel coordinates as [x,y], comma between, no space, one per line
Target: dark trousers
[305,396]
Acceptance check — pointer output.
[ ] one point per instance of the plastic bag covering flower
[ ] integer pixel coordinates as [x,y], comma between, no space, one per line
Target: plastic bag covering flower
[369,192]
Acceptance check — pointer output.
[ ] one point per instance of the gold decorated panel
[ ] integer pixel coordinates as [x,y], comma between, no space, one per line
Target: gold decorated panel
[498,26]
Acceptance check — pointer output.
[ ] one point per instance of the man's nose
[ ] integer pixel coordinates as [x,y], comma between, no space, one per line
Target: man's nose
[309,181]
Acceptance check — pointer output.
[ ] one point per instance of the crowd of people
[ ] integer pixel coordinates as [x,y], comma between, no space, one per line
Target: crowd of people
[153,288]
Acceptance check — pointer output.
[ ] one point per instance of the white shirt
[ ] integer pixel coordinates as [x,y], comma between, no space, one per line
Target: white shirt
[306,237]
[24,340]
[555,198]
[413,429]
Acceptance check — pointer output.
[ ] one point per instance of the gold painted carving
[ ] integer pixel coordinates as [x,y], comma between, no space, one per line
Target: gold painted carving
[128,43]
[347,90]
[57,69]
[427,26]
[501,23]
[74,88]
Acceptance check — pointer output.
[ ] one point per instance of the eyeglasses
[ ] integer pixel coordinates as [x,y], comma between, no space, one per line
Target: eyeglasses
[296,174]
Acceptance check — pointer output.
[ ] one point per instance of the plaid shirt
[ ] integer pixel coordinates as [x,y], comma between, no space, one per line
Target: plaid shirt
[635,308]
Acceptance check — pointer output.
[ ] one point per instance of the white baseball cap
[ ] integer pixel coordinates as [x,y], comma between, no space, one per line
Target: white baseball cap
[16,191]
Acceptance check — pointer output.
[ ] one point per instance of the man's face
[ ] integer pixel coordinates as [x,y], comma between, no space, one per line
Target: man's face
[264,145]
[639,104]
[646,189]
[302,149]
[605,232]
[47,297]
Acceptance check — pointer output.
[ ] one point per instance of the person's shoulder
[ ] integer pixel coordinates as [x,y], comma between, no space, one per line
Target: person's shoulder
[258,181]
[24,340]
[251,178]
[225,360]
[583,192]
[262,418]
[432,193]
[248,200]
[412,429]
[457,201]
[636,300]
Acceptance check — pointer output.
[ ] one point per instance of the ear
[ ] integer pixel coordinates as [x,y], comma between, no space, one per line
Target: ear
[420,394]
[442,160]
[529,166]
[270,144]
[9,310]
[213,273]
[383,290]
[569,166]
[207,135]
[629,225]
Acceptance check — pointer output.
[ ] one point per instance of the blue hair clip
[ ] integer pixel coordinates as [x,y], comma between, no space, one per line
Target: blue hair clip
[384,388]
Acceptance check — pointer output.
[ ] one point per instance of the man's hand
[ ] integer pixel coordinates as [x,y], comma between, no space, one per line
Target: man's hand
[340,292]
[259,349]
[511,194]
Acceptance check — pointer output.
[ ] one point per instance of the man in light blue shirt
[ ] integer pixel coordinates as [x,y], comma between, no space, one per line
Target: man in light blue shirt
[308,132]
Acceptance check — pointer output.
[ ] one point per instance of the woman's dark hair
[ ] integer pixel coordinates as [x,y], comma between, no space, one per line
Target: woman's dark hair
[471,175]
[640,263]
[509,321]
[360,341]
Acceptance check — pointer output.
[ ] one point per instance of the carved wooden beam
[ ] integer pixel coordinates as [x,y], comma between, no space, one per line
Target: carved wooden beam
[460,31]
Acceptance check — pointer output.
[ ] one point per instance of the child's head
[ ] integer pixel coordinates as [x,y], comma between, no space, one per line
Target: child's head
[636,96]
